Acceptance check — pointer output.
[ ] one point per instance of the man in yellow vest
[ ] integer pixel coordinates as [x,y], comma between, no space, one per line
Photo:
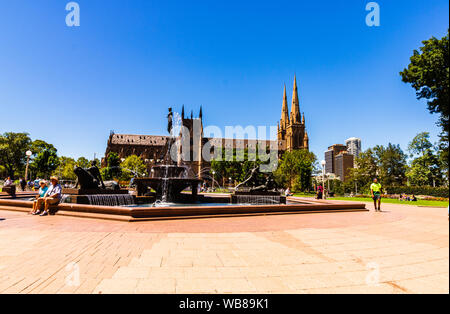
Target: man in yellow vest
[375,189]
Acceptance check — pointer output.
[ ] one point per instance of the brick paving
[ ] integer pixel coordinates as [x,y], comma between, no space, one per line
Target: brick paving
[402,250]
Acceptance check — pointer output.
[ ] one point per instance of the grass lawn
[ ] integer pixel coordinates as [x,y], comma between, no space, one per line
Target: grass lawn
[394,201]
[305,194]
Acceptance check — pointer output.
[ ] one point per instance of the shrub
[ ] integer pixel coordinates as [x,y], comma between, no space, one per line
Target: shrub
[419,190]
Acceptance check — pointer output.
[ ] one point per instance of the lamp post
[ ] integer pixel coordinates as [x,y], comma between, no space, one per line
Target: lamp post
[213,173]
[324,163]
[28,153]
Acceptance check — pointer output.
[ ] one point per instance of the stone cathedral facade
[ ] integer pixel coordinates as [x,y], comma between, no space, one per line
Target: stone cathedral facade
[292,135]
[291,128]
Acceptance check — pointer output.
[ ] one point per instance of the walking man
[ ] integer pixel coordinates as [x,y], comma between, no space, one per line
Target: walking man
[375,190]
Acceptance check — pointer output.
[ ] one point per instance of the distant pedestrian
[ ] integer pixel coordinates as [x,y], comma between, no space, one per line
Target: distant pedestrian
[320,192]
[23,183]
[375,190]
[36,183]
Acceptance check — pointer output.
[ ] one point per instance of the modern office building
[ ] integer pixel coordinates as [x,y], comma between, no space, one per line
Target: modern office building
[344,161]
[354,146]
[330,156]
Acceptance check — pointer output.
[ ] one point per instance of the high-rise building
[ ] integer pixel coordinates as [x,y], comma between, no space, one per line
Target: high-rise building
[354,146]
[330,156]
[343,163]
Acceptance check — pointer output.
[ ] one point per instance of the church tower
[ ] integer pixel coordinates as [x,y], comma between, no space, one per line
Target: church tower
[291,128]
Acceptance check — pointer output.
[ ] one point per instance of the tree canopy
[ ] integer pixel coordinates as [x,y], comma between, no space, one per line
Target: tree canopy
[428,74]
[12,152]
[295,170]
[132,166]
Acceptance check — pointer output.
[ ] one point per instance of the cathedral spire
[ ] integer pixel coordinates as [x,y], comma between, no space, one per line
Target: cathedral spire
[182,112]
[201,112]
[295,113]
[284,111]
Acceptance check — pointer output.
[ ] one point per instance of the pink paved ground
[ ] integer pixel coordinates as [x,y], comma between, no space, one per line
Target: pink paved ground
[402,250]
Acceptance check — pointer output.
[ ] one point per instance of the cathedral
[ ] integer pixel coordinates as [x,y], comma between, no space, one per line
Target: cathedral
[291,135]
[291,128]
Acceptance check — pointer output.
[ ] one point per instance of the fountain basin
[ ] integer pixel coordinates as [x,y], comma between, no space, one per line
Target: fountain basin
[174,187]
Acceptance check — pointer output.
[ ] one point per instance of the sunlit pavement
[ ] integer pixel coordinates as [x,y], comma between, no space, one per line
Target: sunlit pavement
[404,249]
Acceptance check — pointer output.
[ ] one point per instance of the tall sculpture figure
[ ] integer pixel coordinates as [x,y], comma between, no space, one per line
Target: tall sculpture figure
[170,121]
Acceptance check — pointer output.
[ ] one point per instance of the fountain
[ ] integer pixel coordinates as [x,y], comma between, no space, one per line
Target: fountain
[168,180]
[93,191]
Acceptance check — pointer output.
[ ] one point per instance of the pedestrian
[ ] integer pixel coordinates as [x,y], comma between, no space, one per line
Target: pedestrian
[23,183]
[36,184]
[320,192]
[375,190]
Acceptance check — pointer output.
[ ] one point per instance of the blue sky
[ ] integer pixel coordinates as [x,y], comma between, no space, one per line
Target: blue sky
[130,60]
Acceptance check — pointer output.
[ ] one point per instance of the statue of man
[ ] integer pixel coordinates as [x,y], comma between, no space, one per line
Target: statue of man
[95,172]
[169,121]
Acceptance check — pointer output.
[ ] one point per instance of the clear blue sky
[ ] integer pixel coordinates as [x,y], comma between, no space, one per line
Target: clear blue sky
[130,60]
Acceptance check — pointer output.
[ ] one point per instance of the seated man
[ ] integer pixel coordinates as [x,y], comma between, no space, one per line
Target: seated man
[288,193]
[8,182]
[39,202]
[53,195]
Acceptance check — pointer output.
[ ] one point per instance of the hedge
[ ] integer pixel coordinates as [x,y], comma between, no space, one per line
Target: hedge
[419,190]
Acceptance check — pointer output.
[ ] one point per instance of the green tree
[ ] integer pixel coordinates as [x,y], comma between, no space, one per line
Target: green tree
[386,163]
[236,165]
[443,159]
[65,168]
[44,158]
[112,170]
[295,170]
[392,164]
[13,147]
[131,166]
[367,168]
[425,168]
[428,73]
[420,144]
[45,162]
[83,162]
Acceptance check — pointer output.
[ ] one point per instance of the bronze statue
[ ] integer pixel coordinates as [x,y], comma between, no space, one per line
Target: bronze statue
[169,121]
[250,184]
[90,178]
[268,186]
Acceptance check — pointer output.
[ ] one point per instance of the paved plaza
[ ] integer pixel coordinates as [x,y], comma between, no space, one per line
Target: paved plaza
[402,250]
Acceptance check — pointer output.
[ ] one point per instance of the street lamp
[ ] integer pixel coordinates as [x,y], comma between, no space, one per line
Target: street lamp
[213,173]
[28,153]
[324,163]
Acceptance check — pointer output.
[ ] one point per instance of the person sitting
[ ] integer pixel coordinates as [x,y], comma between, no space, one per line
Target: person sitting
[53,195]
[8,182]
[39,202]
[288,193]
[413,198]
